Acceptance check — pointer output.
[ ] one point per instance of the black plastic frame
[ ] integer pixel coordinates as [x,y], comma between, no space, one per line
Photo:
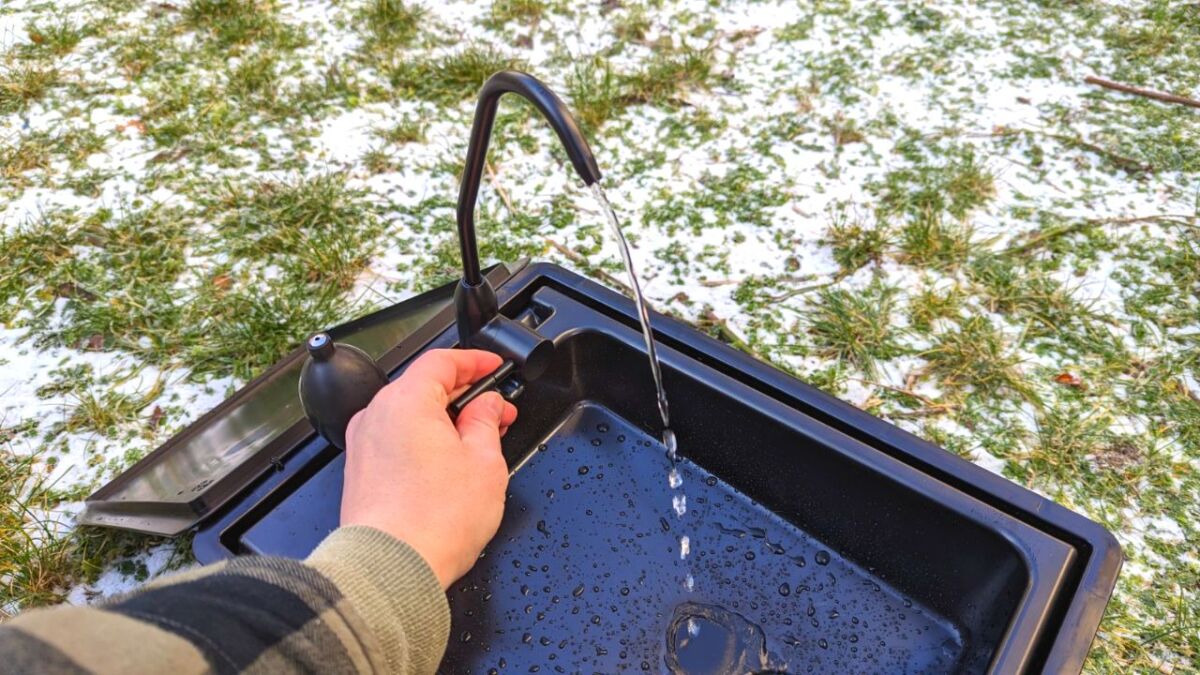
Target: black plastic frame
[1073,618]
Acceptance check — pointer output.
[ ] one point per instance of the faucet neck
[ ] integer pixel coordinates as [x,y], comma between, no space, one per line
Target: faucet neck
[559,117]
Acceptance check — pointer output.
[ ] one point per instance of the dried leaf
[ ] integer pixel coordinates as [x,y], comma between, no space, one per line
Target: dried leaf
[133,124]
[1069,380]
[156,418]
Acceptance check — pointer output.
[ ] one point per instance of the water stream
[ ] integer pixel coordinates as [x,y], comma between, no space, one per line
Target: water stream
[674,478]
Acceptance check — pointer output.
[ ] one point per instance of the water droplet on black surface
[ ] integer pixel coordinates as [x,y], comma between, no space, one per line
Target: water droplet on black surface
[822,557]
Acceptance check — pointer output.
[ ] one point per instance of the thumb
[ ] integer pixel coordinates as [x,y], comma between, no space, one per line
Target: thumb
[479,423]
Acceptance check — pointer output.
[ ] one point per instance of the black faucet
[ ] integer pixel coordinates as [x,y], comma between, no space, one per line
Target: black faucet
[480,325]
[337,381]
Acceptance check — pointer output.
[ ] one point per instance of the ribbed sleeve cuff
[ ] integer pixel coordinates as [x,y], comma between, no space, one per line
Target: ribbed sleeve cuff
[393,590]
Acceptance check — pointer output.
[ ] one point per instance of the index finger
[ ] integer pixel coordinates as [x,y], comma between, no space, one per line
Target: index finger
[441,371]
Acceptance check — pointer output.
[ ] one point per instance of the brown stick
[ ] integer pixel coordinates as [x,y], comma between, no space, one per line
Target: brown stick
[499,188]
[578,259]
[1139,91]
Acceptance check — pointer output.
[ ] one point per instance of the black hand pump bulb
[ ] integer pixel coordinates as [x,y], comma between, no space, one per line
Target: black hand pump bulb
[339,380]
[480,325]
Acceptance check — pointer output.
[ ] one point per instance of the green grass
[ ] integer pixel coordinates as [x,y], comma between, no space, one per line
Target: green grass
[856,326]
[22,84]
[56,36]
[237,23]
[450,78]
[855,240]
[974,358]
[38,563]
[913,224]
[391,24]
[523,12]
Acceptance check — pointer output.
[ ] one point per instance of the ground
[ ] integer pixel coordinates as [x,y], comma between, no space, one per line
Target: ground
[917,206]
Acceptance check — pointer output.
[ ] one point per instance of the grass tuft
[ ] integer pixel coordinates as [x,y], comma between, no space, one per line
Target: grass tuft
[23,84]
[855,241]
[976,356]
[451,78]
[233,23]
[391,24]
[856,326]
[56,37]
[523,11]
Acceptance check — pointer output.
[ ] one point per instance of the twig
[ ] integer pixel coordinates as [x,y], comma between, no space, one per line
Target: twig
[499,188]
[907,392]
[726,334]
[1139,91]
[578,259]
[1056,232]
[931,411]
[806,289]
[1120,161]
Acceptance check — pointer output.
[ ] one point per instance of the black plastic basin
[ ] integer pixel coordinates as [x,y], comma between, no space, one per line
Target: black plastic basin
[811,550]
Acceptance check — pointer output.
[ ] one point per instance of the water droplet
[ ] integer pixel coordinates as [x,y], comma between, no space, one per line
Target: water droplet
[822,643]
[662,522]
[785,589]
[597,442]
[466,636]
[822,557]
[583,470]
[749,555]
[541,527]
[578,591]
[527,638]
[710,481]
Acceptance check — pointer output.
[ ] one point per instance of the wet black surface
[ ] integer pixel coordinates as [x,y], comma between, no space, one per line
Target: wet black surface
[585,576]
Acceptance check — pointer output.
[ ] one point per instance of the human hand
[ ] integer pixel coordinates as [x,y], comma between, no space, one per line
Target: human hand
[411,472]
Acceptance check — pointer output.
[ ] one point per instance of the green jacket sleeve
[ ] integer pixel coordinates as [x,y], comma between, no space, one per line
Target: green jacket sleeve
[363,602]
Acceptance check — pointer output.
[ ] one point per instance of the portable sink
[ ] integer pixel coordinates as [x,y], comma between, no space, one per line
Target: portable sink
[823,539]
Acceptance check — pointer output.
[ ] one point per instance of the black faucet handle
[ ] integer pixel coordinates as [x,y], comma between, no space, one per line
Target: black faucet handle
[481,326]
[336,382]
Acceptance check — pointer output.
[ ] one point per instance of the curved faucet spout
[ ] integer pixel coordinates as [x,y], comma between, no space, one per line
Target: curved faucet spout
[556,114]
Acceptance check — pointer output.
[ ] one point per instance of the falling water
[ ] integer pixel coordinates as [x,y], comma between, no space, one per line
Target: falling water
[674,477]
